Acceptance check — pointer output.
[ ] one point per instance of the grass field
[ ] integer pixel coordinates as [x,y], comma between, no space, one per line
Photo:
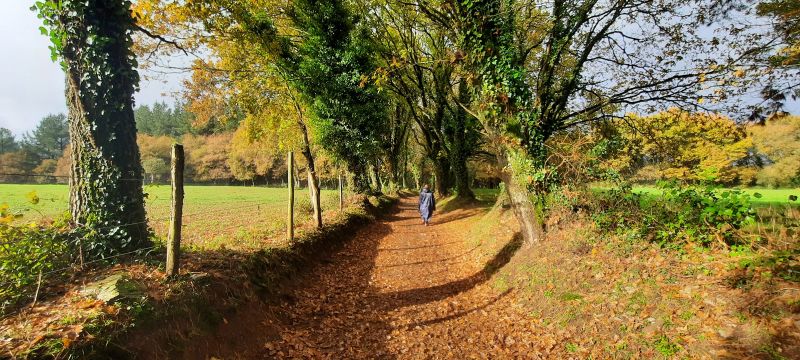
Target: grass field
[769,197]
[214,216]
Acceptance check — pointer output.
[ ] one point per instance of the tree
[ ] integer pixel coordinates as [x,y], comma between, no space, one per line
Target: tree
[92,39]
[777,140]
[328,68]
[156,153]
[416,66]
[50,137]
[787,22]
[162,120]
[45,170]
[63,165]
[678,145]
[245,83]
[7,141]
[17,165]
[251,157]
[541,68]
[156,168]
[207,157]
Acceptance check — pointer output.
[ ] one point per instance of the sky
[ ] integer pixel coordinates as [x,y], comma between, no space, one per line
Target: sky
[31,85]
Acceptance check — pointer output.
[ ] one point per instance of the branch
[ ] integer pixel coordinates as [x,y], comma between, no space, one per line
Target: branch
[160,38]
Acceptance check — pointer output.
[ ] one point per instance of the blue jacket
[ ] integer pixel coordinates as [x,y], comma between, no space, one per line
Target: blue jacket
[427,204]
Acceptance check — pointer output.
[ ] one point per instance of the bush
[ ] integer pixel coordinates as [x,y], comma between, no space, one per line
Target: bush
[679,214]
[25,252]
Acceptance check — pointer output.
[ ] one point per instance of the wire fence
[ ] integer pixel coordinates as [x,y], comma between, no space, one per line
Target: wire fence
[231,217]
[331,183]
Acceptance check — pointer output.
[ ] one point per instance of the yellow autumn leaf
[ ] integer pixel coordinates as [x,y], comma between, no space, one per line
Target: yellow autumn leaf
[32,197]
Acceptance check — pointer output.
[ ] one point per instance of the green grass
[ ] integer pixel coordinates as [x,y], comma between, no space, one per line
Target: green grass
[486,195]
[768,196]
[214,216]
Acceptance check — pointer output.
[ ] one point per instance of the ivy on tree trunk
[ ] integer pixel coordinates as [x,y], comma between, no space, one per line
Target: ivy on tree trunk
[92,38]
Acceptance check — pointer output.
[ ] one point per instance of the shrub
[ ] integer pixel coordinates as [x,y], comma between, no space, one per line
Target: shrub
[25,252]
[679,214]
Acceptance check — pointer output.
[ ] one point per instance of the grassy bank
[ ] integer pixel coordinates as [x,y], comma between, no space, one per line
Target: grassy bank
[602,295]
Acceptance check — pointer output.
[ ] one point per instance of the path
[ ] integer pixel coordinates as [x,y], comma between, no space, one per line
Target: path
[403,290]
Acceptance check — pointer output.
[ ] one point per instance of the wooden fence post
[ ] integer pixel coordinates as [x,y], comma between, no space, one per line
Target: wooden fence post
[176,220]
[341,191]
[290,224]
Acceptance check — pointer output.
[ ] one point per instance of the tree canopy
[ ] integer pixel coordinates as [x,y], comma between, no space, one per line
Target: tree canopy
[376,83]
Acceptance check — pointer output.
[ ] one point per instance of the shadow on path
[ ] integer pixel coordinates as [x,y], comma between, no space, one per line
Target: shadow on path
[394,300]
[337,312]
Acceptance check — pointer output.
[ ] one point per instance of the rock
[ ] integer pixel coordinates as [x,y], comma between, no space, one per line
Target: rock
[112,289]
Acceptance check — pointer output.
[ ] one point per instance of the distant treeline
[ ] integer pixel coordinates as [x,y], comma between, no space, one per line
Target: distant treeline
[214,152]
[669,145]
[683,146]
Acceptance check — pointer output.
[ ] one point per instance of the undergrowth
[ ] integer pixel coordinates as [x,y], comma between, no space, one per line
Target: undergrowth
[681,214]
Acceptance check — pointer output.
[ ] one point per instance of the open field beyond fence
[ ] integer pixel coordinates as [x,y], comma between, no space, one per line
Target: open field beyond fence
[768,197]
[214,216]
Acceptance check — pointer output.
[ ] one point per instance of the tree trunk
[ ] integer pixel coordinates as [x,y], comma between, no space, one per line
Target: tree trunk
[461,173]
[404,170]
[360,177]
[393,165]
[459,150]
[313,179]
[524,209]
[313,190]
[443,183]
[377,177]
[106,174]
[297,183]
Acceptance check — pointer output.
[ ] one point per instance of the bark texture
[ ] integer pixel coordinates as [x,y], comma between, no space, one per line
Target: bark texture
[106,173]
[313,179]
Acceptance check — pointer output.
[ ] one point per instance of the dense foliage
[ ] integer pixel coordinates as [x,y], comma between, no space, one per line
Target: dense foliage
[679,215]
[25,253]
[778,142]
[328,69]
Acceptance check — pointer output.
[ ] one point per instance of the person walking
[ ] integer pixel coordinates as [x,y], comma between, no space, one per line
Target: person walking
[427,204]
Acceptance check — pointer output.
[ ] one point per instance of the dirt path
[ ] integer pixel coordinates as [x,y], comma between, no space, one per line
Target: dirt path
[403,290]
